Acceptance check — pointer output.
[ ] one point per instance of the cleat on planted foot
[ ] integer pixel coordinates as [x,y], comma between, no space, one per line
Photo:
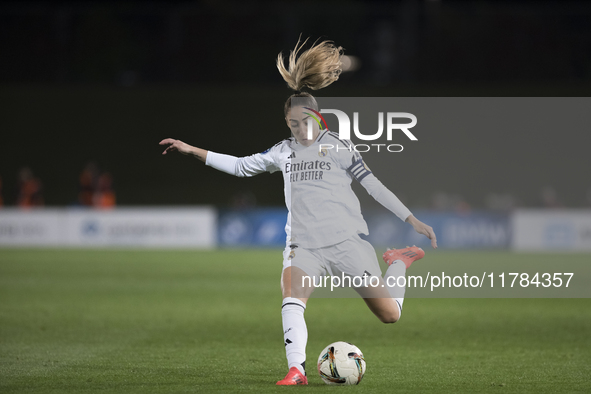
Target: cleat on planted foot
[294,377]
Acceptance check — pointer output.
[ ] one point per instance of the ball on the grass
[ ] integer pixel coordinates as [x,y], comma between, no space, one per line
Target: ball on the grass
[341,363]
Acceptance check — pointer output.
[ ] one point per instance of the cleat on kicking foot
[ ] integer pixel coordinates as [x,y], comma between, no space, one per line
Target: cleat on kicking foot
[294,377]
[407,255]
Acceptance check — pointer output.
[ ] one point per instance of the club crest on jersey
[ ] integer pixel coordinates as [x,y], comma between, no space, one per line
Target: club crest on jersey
[291,255]
[322,152]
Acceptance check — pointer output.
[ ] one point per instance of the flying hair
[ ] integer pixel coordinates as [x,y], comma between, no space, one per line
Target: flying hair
[314,68]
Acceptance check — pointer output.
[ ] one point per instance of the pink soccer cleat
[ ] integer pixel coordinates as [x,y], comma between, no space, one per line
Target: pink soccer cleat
[294,377]
[407,255]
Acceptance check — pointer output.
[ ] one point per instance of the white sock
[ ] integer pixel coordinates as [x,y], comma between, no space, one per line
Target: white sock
[394,271]
[295,332]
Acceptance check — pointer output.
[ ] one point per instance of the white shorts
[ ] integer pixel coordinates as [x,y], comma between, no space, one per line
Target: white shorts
[352,257]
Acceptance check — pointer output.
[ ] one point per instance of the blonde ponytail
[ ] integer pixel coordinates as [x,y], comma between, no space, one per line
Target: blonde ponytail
[315,68]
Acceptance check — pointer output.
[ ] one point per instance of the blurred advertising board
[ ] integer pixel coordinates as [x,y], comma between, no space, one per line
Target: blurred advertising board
[205,227]
[474,230]
[38,227]
[123,227]
[265,227]
[252,227]
[546,230]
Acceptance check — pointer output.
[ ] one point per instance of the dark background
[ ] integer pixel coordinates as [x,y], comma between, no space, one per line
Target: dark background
[106,81]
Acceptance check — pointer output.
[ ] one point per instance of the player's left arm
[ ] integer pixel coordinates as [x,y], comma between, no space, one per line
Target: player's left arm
[423,228]
[389,200]
[384,196]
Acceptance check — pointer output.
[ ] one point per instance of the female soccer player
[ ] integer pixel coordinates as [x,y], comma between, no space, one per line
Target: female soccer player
[324,219]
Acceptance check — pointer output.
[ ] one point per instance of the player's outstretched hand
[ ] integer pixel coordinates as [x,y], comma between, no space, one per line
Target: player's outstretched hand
[176,145]
[424,229]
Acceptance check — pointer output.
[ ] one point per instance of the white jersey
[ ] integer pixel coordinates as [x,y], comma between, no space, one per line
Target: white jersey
[322,208]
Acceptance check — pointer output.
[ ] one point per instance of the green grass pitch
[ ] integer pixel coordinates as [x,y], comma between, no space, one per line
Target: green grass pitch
[166,321]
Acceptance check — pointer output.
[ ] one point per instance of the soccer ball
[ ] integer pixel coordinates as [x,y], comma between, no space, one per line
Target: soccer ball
[341,363]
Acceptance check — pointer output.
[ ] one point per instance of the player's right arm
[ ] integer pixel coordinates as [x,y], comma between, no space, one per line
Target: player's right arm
[185,149]
[238,166]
